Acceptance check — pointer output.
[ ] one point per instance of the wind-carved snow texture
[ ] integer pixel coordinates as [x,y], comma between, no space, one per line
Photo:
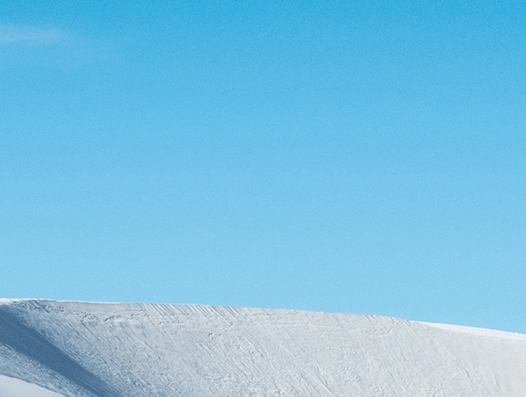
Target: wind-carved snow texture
[145,350]
[18,336]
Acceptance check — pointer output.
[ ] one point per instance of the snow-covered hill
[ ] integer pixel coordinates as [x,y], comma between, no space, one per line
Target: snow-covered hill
[66,349]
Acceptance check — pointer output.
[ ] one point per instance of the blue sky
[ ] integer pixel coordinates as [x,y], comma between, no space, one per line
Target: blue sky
[318,155]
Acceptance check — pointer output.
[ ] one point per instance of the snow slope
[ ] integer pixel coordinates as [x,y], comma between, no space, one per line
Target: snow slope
[11,387]
[75,349]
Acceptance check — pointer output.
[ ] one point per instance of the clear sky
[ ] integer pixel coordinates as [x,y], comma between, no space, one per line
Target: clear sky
[342,156]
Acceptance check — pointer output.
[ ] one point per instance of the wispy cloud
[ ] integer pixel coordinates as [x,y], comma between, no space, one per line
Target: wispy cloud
[28,35]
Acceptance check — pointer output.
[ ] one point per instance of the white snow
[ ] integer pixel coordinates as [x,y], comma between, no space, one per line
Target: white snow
[124,350]
[11,387]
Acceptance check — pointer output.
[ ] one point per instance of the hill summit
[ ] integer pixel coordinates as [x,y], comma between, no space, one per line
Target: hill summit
[76,349]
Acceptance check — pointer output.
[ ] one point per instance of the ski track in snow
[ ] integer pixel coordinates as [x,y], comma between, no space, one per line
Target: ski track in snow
[81,349]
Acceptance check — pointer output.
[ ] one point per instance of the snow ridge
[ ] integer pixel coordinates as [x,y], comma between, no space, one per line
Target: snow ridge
[79,349]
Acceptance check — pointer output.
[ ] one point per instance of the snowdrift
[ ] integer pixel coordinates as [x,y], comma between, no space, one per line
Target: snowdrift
[73,349]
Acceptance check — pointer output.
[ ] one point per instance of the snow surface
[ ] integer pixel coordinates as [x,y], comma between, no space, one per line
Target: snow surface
[81,349]
[11,387]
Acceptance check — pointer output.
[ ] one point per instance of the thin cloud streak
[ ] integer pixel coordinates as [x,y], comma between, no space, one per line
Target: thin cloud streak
[27,35]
